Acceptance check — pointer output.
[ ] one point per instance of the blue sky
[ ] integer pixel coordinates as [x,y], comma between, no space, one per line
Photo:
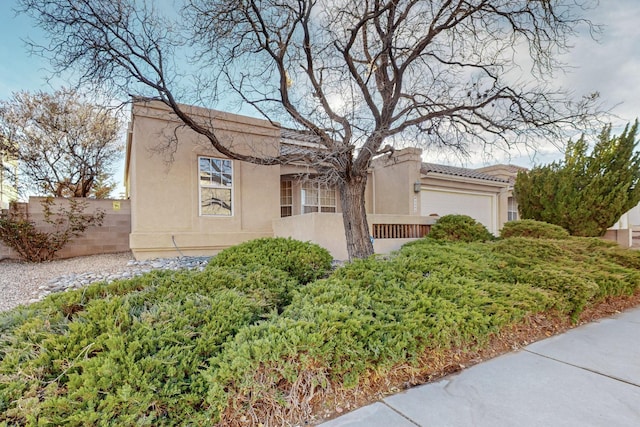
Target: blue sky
[19,70]
[611,67]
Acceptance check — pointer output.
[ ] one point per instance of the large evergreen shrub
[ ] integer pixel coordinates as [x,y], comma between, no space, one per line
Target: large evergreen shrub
[459,228]
[585,193]
[304,261]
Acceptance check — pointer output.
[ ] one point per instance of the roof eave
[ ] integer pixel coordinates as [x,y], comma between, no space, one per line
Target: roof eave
[466,179]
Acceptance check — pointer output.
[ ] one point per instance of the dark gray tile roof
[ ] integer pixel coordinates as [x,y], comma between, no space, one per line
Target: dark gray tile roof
[457,171]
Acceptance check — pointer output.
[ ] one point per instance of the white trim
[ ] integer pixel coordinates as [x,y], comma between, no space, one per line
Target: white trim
[319,187]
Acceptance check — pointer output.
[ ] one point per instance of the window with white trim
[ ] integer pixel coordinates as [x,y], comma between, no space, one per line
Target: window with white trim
[216,186]
[512,209]
[317,197]
[286,198]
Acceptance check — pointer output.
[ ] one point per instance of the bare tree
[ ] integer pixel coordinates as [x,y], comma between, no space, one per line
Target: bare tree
[356,74]
[65,146]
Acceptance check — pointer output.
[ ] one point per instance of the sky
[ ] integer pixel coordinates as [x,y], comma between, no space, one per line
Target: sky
[610,66]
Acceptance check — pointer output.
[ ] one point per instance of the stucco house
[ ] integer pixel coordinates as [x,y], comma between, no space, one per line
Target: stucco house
[187,198]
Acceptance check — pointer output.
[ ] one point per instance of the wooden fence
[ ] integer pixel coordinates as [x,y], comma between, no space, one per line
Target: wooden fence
[400,231]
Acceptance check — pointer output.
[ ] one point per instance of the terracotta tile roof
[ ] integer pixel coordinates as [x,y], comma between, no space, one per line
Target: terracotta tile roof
[457,171]
[509,167]
[506,171]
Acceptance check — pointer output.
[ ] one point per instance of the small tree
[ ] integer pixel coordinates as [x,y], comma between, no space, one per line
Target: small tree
[585,194]
[66,146]
[34,245]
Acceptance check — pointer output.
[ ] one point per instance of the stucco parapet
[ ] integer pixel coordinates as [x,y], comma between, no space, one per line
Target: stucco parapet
[222,120]
[409,154]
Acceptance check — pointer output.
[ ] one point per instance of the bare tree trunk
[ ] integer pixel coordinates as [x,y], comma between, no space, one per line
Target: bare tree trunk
[354,216]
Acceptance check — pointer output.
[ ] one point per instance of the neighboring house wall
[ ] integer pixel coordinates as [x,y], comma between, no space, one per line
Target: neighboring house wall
[8,177]
[166,217]
[627,230]
[111,237]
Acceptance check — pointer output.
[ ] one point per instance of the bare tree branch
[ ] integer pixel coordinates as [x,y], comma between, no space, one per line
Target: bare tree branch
[353,74]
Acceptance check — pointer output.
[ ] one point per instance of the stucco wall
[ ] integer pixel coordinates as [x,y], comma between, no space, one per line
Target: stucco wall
[327,230]
[165,205]
[622,236]
[111,237]
[392,183]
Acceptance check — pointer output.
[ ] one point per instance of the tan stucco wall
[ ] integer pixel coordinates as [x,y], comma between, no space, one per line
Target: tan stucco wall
[165,205]
[327,230]
[392,181]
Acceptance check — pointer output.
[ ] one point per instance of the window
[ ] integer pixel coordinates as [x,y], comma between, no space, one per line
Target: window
[318,197]
[286,198]
[512,210]
[216,176]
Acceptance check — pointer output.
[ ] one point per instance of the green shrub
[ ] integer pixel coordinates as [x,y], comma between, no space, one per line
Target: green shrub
[304,261]
[132,352]
[367,317]
[209,347]
[533,229]
[459,228]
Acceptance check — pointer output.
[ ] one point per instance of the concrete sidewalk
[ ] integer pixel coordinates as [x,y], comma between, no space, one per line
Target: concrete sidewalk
[589,376]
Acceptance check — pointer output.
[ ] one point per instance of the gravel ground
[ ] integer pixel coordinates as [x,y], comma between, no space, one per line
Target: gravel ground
[20,282]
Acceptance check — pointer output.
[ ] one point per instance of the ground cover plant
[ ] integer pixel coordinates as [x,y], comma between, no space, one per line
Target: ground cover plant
[251,345]
[534,229]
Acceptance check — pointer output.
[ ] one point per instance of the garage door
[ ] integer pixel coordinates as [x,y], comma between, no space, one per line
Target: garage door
[481,207]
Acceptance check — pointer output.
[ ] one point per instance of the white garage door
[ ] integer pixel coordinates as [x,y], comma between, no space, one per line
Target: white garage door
[481,207]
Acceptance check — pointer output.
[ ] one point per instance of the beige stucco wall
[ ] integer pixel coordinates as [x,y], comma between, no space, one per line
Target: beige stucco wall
[165,195]
[392,181]
[327,230]
[165,206]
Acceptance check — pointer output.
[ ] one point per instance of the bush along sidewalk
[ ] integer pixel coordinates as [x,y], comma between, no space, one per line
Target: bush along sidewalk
[256,345]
